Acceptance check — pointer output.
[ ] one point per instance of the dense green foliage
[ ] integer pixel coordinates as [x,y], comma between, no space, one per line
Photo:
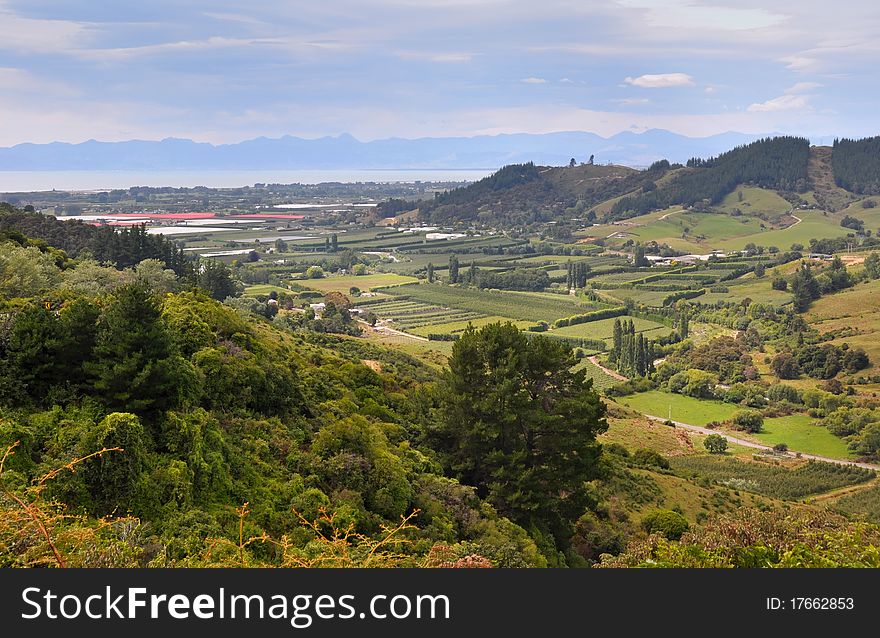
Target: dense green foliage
[856,165]
[123,247]
[779,162]
[518,424]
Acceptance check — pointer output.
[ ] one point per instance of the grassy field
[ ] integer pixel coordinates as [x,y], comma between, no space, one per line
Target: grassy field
[857,307]
[800,433]
[263,289]
[796,431]
[752,200]
[513,305]
[682,408]
[814,225]
[758,290]
[364,282]
[604,329]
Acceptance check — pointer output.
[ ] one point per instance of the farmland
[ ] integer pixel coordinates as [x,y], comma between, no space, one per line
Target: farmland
[512,305]
[786,481]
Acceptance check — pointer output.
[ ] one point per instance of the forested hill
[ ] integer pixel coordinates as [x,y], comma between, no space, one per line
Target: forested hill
[121,247]
[521,194]
[778,163]
[856,165]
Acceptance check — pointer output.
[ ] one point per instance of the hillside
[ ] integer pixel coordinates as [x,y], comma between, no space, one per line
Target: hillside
[523,194]
[767,179]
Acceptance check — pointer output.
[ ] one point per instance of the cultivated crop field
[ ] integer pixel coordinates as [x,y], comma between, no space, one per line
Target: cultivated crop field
[601,380]
[407,314]
[603,329]
[771,479]
[364,282]
[513,305]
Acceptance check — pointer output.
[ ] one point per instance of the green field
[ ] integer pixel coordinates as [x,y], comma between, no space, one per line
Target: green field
[680,407]
[601,380]
[513,305]
[797,431]
[858,308]
[752,200]
[604,329]
[461,326]
[758,290]
[800,433]
[815,225]
[263,289]
[364,282]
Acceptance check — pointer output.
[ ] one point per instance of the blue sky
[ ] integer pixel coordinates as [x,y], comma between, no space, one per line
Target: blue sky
[226,70]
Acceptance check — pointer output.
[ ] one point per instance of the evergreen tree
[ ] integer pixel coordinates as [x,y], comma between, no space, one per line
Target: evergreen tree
[133,364]
[804,287]
[334,243]
[430,273]
[639,259]
[519,425]
[215,277]
[453,268]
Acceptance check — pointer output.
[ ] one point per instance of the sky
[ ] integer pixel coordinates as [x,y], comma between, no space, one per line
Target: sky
[223,71]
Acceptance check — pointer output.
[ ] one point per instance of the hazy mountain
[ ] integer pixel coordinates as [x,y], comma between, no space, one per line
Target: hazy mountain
[346,152]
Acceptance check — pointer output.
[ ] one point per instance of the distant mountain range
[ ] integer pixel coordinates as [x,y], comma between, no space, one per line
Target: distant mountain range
[346,152]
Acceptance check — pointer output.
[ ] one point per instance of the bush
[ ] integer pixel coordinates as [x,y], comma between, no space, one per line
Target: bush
[748,421]
[716,444]
[650,458]
[785,366]
[670,524]
[781,448]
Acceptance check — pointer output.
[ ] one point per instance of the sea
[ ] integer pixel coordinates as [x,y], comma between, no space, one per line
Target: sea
[30,181]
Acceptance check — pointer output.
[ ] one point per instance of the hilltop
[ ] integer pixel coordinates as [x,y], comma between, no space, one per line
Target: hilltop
[768,178]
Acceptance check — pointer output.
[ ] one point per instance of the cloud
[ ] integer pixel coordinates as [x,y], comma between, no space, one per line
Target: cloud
[686,14]
[781,103]
[533,81]
[453,57]
[802,87]
[661,81]
[633,101]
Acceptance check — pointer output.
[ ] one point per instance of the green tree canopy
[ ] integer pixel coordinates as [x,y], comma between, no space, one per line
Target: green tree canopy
[518,424]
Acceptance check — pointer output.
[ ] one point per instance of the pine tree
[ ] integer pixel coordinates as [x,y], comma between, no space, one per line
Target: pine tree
[430,273]
[334,242]
[133,364]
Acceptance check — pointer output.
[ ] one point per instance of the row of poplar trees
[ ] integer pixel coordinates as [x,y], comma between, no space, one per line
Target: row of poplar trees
[576,275]
[633,354]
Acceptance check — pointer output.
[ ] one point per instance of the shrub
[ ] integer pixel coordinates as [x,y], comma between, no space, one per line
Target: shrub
[716,444]
[780,447]
[785,366]
[650,458]
[748,421]
[670,524]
